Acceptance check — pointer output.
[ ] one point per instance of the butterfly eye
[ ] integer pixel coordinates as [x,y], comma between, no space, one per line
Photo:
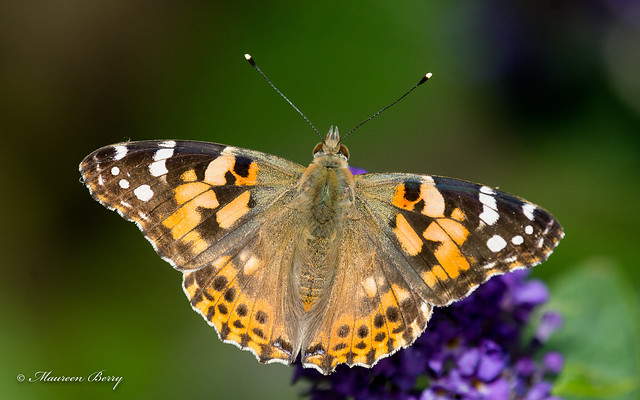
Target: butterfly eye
[344,151]
[317,148]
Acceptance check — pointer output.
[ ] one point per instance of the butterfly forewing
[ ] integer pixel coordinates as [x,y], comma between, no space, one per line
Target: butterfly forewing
[188,197]
[455,234]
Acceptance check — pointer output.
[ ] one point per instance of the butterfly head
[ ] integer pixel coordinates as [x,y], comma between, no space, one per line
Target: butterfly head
[331,145]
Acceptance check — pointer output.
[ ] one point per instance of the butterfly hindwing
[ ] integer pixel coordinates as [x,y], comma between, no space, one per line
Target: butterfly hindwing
[453,234]
[236,294]
[379,313]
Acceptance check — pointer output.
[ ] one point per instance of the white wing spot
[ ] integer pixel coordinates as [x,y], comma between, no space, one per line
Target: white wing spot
[540,242]
[162,154]
[115,171]
[121,151]
[252,265]
[124,183]
[528,210]
[517,240]
[490,265]
[496,243]
[100,180]
[370,287]
[124,203]
[158,168]
[510,259]
[528,229]
[489,214]
[168,143]
[143,192]
[487,190]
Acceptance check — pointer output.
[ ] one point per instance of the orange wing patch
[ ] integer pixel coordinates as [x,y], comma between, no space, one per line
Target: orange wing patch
[434,275]
[394,318]
[229,169]
[345,340]
[408,238]
[188,191]
[421,197]
[237,314]
[187,217]
[230,213]
[259,323]
[195,242]
[189,176]
[450,234]
[458,215]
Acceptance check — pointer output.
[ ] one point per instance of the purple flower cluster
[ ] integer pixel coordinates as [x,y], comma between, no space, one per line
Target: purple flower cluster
[476,348]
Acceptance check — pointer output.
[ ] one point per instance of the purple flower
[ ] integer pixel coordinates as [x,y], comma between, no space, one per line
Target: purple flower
[472,349]
[551,322]
[533,292]
[553,362]
[357,171]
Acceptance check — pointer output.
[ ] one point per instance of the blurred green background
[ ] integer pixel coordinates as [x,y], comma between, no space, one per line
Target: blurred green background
[540,98]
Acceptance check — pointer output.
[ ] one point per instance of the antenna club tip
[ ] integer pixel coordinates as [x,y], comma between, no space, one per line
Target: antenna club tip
[428,75]
[248,57]
[424,78]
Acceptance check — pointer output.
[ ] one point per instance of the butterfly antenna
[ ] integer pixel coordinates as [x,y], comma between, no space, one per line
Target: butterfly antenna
[253,64]
[423,80]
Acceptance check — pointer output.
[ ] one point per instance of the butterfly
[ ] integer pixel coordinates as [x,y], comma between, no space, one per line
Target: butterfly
[287,261]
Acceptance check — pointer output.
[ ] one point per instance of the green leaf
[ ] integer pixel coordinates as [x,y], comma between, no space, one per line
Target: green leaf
[600,337]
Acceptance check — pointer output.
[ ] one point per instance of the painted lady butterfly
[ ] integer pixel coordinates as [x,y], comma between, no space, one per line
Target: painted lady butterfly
[285,260]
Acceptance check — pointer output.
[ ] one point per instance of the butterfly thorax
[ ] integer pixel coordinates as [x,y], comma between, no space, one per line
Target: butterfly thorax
[325,199]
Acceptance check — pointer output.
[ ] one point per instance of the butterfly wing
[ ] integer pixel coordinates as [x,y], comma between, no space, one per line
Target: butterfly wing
[453,235]
[208,209]
[246,295]
[419,241]
[374,311]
